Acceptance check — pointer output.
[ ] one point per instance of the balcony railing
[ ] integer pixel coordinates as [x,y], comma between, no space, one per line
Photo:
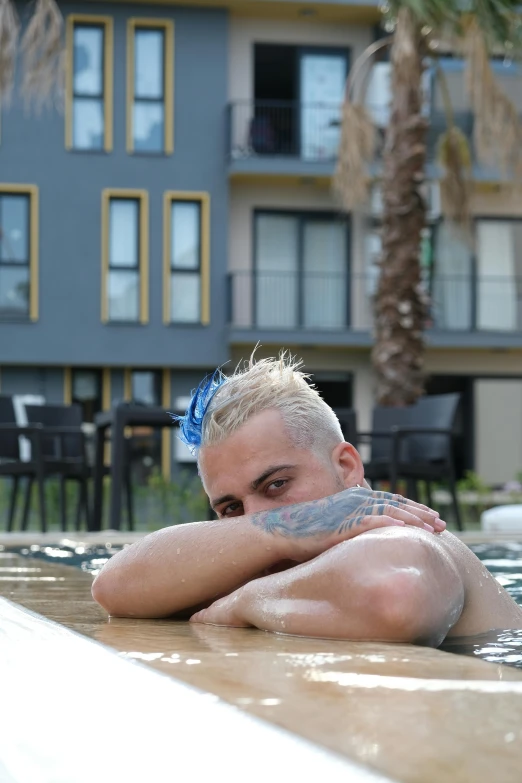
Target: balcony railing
[336,301]
[306,131]
[286,129]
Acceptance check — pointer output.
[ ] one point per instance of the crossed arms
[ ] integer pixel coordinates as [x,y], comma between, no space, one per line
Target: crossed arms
[392,584]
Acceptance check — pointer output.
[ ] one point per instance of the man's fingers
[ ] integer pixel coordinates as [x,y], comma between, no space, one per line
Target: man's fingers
[428,515]
[396,517]
[395,511]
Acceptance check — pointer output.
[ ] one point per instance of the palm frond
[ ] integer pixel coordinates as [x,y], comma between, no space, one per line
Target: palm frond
[356,152]
[43,55]
[497,130]
[9,32]
[454,157]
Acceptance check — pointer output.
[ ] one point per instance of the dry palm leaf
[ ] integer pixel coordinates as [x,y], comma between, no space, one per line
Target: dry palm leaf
[43,55]
[454,156]
[497,132]
[9,32]
[356,152]
[358,134]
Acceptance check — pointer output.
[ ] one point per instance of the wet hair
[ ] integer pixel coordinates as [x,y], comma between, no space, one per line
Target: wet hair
[221,405]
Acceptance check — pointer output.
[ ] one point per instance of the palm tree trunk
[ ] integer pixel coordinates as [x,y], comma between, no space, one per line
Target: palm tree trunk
[400,304]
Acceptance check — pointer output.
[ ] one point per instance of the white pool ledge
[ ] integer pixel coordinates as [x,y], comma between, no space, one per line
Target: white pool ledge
[73,711]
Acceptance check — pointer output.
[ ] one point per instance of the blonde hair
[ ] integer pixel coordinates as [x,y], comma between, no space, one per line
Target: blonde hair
[272,384]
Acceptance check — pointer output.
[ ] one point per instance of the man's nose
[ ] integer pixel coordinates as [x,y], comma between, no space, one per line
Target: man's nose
[253,505]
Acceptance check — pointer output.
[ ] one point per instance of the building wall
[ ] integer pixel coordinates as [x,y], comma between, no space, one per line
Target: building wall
[498,429]
[69,330]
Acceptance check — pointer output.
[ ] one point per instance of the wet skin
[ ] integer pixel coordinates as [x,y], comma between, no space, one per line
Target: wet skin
[258,471]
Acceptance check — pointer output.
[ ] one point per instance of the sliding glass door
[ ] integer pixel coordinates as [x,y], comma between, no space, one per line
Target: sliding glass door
[301,271]
[322,77]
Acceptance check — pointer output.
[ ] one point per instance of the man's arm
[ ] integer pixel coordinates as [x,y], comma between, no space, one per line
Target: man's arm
[391,585]
[188,565]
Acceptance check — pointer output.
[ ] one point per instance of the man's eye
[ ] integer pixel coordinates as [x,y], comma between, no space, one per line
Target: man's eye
[231,509]
[277,484]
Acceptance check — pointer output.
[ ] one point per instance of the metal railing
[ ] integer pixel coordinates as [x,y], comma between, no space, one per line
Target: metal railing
[309,131]
[339,301]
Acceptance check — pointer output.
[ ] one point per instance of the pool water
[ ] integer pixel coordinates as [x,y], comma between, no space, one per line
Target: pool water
[89,558]
[504,561]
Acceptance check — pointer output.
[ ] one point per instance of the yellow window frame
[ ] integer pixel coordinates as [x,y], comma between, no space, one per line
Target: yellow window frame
[108,76]
[143,249]
[34,234]
[169,198]
[137,23]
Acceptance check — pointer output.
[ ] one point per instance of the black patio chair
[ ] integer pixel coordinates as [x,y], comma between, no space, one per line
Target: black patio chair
[64,455]
[384,421]
[422,449]
[415,443]
[11,464]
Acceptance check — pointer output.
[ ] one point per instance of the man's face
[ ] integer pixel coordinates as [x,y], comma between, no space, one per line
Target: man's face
[258,468]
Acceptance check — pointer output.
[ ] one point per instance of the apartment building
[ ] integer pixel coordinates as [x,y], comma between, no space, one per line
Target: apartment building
[179,211]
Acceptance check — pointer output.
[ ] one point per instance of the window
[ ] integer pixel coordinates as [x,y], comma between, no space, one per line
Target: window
[88,115]
[150,447]
[125,256]
[150,88]
[19,251]
[186,258]
[88,387]
[499,274]
[301,271]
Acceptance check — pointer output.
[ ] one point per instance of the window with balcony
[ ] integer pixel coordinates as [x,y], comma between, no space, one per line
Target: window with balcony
[125,256]
[88,115]
[186,258]
[296,111]
[301,271]
[19,252]
[473,285]
[150,86]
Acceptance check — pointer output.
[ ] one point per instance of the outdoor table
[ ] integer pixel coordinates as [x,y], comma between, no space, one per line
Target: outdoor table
[117,419]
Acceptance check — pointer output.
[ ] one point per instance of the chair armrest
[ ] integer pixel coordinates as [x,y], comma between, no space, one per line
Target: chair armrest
[26,431]
[403,432]
[375,434]
[63,431]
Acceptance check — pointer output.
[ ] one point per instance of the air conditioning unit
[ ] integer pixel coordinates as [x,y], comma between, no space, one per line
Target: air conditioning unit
[430,191]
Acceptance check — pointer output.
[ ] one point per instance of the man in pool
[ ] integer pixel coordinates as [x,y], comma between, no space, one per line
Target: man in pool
[301,545]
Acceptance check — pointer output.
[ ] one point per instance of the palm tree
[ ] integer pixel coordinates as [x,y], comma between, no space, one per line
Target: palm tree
[419,29]
[42,51]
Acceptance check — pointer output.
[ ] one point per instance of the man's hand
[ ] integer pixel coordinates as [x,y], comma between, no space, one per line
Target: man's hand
[226,611]
[308,529]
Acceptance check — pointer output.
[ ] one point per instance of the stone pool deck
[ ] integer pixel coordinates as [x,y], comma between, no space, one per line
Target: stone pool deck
[366,712]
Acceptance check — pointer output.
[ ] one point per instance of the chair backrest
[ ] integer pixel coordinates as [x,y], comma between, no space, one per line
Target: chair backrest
[348,421]
[383,420]
[438,411]
[58,416]
[9,442]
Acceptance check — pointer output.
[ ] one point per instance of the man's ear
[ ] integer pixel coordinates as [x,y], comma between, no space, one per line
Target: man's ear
[348,465]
